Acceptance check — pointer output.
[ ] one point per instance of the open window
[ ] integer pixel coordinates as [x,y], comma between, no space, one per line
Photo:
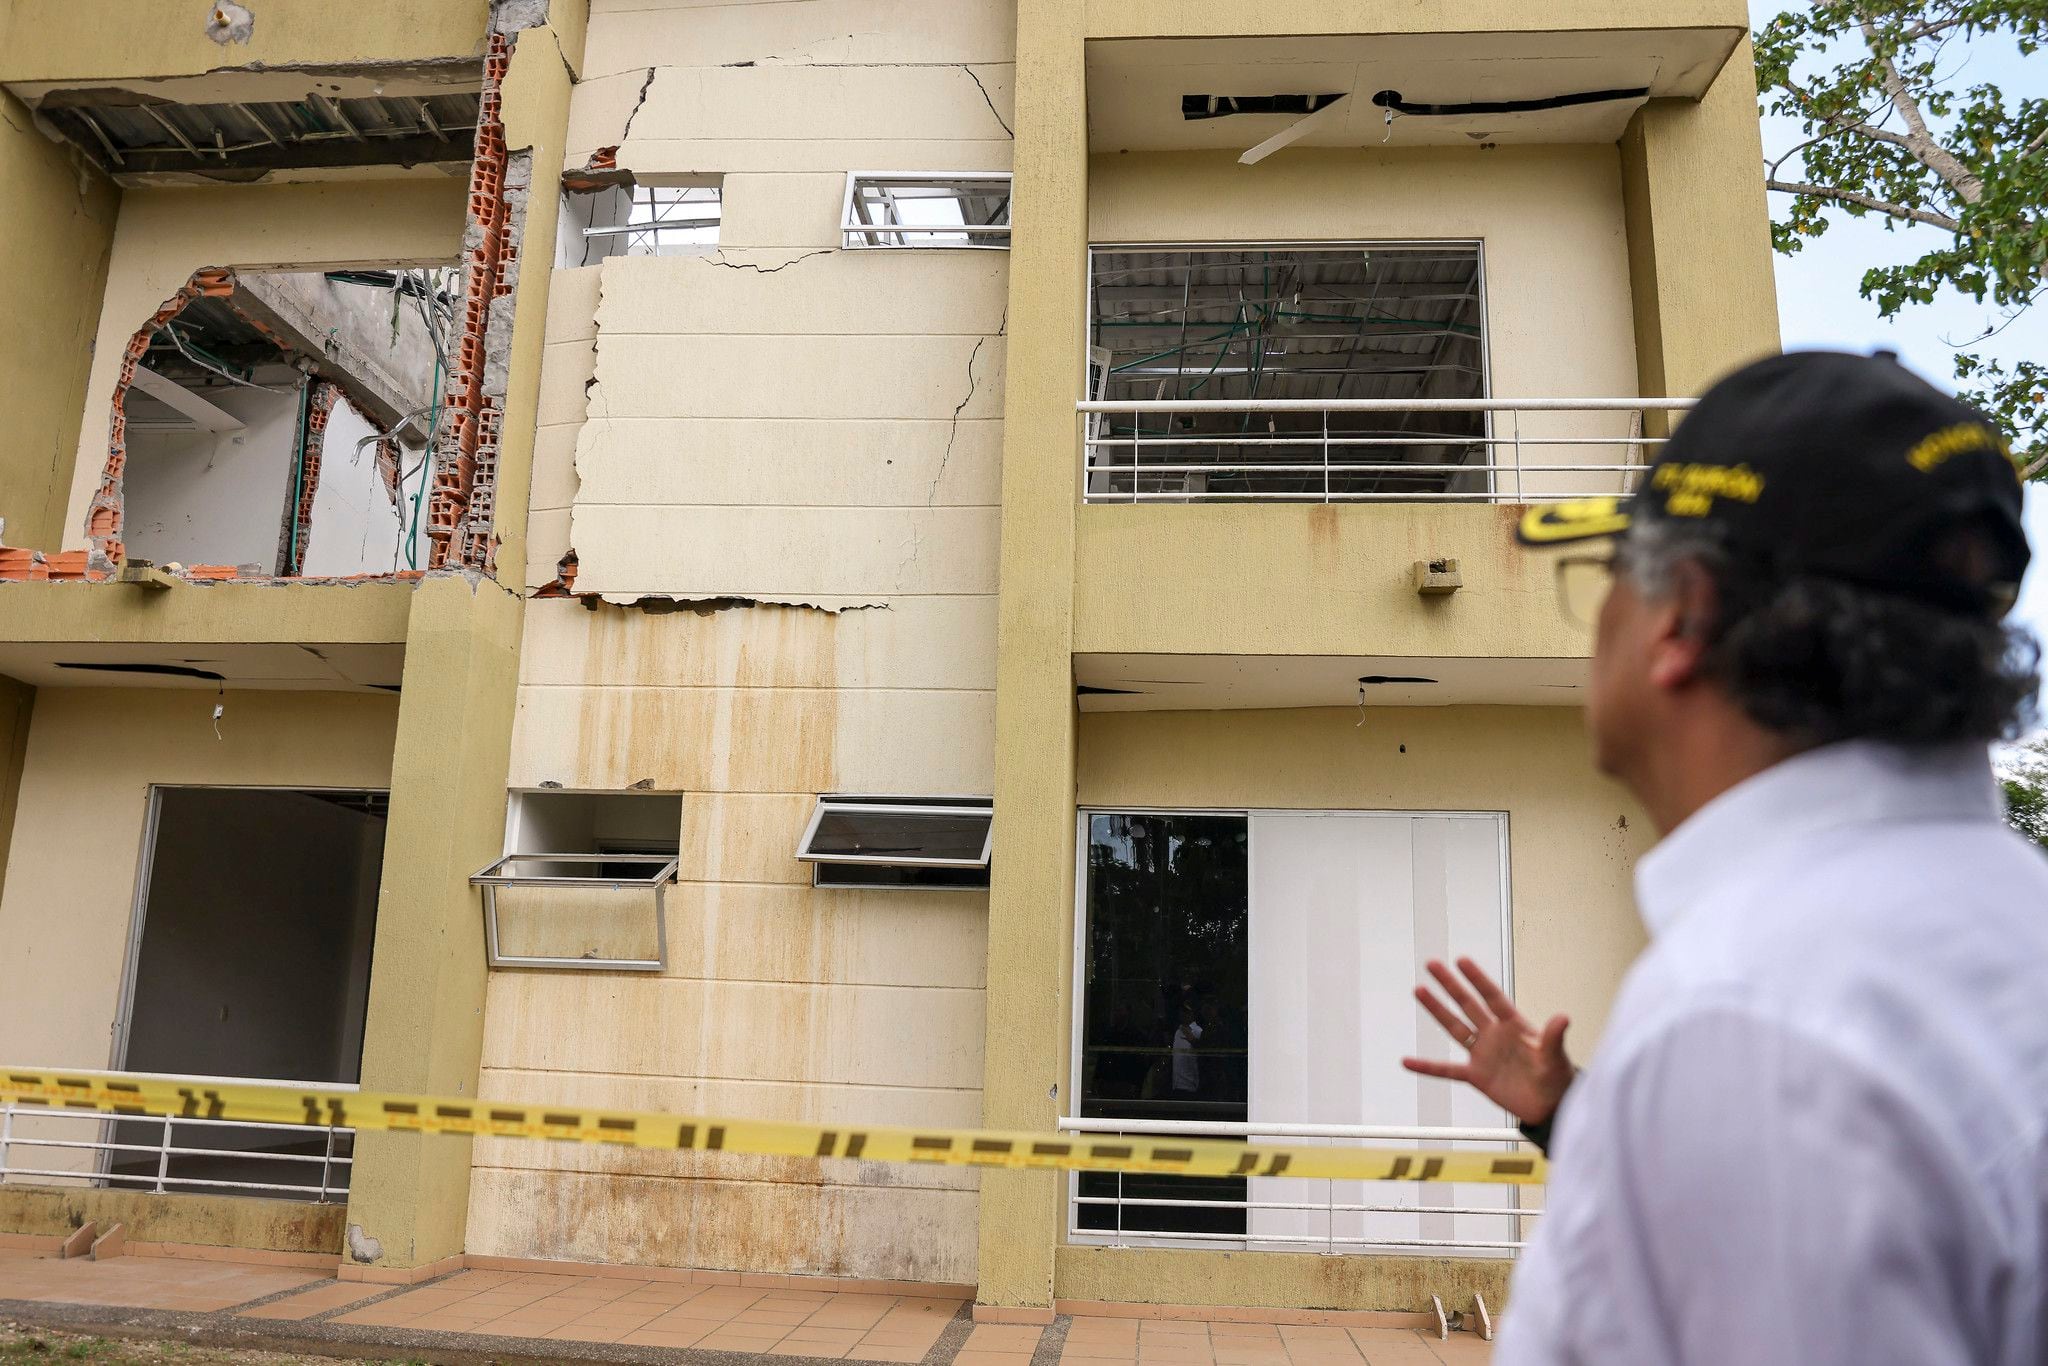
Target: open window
[641,220]
[935,842]
[583,881]
[1257,340]
[966,209]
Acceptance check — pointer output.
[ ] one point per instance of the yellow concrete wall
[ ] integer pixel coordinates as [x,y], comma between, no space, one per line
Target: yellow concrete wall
[163,235]
[1699,234]
[408,1194]
[784,422]
[1330,580]
[85,40]
[92,755]
[57,219]
[186,1218]
[1031,887]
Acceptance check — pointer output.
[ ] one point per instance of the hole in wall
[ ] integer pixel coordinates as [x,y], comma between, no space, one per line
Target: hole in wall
[280,423]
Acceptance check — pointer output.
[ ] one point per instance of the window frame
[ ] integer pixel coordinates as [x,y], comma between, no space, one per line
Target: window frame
[1070,1182]
[898,806]
[855,235]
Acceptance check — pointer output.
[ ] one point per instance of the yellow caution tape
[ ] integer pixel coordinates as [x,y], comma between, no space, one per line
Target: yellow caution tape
[113,1093]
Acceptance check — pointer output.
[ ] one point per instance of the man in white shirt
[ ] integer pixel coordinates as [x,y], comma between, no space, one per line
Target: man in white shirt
[1816,1128]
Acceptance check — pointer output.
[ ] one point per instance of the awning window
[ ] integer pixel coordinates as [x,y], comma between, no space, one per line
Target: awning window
[923,832]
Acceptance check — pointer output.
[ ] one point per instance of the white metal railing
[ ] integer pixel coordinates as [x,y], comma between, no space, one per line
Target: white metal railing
[1349,1220]
[163,1150]
[1365,450]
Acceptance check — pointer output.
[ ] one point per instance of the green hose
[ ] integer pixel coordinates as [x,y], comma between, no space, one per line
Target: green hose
[412,532]
[291,559]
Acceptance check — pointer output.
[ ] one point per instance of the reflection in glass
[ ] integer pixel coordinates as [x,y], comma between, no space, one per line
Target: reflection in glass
[1163,1020]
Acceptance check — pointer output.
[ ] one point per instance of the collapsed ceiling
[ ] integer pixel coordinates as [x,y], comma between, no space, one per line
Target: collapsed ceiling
[132,134]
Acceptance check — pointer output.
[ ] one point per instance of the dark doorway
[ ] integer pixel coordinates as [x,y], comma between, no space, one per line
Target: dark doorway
[252,959]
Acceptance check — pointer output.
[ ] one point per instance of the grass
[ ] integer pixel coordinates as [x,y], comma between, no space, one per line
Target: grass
[20,1344]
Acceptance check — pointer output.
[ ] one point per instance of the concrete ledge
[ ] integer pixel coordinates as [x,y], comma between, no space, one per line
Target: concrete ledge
[366,612]
[1275,1280]
[398,1275]
[1238,1313]
[1010,1313]
[1315,580]
[203,1226]
[932,1290]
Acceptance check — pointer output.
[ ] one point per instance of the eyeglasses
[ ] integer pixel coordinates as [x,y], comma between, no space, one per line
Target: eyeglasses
[1583,582]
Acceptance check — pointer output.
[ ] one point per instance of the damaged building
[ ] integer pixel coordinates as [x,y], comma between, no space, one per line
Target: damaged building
[779,560]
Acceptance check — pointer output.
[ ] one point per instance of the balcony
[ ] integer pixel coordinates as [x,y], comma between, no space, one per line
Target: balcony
[1259,553]
[1365,450]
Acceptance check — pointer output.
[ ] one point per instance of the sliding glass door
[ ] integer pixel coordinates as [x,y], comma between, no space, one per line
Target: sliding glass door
[1252,967]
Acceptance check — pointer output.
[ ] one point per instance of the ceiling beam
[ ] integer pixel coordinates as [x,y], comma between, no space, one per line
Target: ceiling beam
[203,414]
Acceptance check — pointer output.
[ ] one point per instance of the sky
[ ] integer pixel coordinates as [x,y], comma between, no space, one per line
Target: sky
[1818,303]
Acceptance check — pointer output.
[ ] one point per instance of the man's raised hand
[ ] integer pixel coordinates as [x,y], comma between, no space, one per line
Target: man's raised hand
[1516,1066]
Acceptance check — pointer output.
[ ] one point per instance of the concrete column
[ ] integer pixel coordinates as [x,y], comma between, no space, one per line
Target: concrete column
[409,1199]
[1031,895]
[1699,241]
[409,1195]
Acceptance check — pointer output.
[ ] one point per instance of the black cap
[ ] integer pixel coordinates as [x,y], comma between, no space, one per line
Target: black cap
[1837,466]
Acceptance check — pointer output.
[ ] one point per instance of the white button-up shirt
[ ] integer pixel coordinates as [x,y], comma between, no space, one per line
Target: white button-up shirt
[1813,1131]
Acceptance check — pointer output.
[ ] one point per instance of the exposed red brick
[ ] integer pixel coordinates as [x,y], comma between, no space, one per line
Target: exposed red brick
[387,470]
[67,564]
[458,473]
[564,585]
[319,407]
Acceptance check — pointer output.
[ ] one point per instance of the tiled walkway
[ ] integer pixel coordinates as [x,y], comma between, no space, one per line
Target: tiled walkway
[145,1282]
[730,1318]
[665,1318]
[1197,1342]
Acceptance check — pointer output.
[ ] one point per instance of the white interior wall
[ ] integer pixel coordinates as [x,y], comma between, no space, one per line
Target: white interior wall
[356,529]
[215,497]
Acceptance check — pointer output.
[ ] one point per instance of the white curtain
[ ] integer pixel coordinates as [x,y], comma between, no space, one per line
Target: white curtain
[1345,910]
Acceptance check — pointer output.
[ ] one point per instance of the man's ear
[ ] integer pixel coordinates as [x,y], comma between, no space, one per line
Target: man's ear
[1682,622]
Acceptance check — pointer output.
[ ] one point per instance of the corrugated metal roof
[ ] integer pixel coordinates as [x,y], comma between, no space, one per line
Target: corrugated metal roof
[136,135]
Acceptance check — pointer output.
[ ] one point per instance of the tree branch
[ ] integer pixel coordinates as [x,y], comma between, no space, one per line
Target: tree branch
[1848,123]
[1927,30]
[1888,209]
[1921,143]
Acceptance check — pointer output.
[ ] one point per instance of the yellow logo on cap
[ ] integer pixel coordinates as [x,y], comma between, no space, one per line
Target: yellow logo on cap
[1939,447]
[1690,489]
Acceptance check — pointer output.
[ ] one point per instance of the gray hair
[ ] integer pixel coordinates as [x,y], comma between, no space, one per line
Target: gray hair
[1821,659]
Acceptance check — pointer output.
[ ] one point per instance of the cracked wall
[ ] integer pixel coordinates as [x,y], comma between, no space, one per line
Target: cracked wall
[785,431]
